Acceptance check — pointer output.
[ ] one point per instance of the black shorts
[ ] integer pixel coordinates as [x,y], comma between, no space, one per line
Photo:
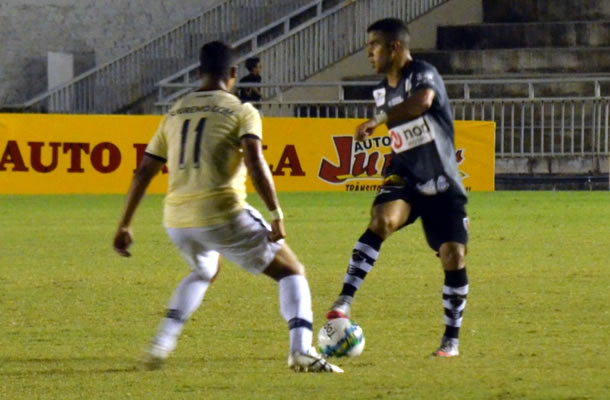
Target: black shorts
[443,215]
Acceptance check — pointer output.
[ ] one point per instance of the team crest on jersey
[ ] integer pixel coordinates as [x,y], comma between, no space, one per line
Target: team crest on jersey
[379,96]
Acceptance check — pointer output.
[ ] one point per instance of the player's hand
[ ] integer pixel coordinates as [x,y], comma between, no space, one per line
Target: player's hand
[277,230]
[122,240]
[365,129]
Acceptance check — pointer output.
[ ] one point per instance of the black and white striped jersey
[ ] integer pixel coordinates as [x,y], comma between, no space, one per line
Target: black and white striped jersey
[423,150]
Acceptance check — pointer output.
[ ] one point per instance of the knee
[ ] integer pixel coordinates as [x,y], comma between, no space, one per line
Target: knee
[453,256]
[207,272]
[285,263]
[383,225]
[295,269]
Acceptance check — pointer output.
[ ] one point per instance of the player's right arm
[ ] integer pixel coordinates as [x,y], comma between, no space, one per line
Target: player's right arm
[152,162]
[263,181]
[413,107]
[148,168]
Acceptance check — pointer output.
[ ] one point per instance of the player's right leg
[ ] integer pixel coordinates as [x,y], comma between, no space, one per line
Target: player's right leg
[295,306]
[389,213]
[186,298]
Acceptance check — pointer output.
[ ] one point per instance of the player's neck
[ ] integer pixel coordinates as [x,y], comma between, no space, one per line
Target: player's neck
[211,83]
[394,75]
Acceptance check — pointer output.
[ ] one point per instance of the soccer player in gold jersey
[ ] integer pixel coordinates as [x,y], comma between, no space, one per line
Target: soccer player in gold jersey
[209,141]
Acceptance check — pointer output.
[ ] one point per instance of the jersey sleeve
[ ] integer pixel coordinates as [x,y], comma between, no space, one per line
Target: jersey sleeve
[157,146]
[427,77]
[250,122]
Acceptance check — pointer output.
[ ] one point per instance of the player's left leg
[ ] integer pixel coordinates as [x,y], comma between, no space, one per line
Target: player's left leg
[455,291]
[446,228]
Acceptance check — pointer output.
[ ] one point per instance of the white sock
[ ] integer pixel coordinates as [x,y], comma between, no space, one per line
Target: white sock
[186,299]
[295,306]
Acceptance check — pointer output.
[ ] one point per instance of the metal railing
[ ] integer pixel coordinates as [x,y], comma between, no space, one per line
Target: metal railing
[126,80]
[525,124]
[293,52]
[545,126]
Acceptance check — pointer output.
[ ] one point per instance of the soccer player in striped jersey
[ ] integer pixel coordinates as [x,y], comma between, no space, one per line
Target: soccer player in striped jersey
[422,180]
[209,140]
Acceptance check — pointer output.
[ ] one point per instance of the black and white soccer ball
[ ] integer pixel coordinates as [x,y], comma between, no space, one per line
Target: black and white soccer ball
[340,337]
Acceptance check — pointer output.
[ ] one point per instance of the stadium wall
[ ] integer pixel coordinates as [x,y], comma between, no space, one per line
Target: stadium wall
[42,154]
[93,31]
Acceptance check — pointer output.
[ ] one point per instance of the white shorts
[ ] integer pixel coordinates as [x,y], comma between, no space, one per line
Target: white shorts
[243,240]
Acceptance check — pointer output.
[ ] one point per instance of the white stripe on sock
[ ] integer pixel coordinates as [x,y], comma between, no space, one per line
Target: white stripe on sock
[353,280]
[366,249]
[447,304]
[456,323]
[462,290]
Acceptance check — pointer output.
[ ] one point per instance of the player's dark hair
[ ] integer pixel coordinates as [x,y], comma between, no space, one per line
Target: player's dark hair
[216,59]
[392,29]
[252,62]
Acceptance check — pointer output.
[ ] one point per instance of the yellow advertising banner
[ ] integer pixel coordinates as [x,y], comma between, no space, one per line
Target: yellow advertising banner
[42,154]
[321,154]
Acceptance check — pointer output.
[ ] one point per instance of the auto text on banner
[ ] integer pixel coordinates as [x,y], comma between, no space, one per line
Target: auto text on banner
[98,154]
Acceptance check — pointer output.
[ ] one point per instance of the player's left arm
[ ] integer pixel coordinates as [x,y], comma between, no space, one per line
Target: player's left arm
[148,168]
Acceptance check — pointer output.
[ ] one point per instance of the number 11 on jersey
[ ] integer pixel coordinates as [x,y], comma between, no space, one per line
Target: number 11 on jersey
[197,150]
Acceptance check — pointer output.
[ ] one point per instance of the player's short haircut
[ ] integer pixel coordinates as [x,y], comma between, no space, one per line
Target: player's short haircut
[252,62]
[216,59]
[392,29]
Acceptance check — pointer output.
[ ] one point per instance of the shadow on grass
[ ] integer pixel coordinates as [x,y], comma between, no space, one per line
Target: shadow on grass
[72,366]
[12,366]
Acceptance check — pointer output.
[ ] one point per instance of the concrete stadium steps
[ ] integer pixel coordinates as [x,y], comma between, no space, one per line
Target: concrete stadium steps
[518,35]
[529,61]
[545,10]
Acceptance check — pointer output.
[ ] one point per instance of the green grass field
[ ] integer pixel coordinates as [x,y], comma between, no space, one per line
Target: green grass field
[76,317]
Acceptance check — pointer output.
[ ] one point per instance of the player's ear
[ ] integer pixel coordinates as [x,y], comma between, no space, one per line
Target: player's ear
[233,72]
[395,45]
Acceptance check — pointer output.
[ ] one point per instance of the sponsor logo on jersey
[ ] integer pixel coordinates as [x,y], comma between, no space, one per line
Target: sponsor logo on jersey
[411,135]
[395,100]
[379,96]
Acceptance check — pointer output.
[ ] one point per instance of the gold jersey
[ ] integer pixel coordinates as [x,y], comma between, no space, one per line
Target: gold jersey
[200,140]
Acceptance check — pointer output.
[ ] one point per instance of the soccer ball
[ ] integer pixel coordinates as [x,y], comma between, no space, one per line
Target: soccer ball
[340,337]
